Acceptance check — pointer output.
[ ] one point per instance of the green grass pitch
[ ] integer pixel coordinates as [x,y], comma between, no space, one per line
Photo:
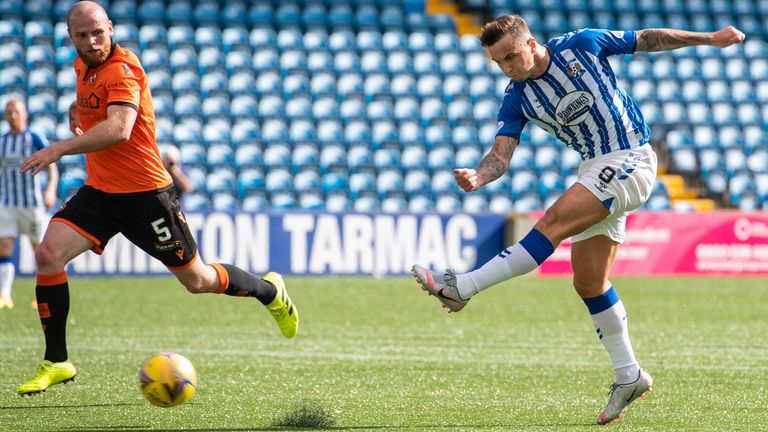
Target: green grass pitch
[380,355]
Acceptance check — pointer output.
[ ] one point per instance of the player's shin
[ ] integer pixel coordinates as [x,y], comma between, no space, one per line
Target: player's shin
[52,292]
[610,320]
[237,282]
[515,260]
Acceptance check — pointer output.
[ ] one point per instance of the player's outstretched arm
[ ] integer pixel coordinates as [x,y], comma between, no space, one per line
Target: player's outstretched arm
[663,39]
[115,129]
[491,167]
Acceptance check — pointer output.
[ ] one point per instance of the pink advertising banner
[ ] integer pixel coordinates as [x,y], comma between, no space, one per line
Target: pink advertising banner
[729,243]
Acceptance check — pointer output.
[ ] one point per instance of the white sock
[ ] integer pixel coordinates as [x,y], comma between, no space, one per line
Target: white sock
[516,260]
[7,273]
[611,326]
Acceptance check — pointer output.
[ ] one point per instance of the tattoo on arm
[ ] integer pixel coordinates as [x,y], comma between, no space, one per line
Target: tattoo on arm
[660,39]
[496,163]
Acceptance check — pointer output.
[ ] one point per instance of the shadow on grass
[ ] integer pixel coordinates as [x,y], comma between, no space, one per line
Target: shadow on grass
[332,428]
[9,408]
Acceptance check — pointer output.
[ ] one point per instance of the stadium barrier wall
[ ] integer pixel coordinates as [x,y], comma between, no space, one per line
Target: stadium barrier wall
[714,243]
[303,243]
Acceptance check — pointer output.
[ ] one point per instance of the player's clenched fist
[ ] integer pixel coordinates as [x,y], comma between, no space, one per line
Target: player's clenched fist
[467,179]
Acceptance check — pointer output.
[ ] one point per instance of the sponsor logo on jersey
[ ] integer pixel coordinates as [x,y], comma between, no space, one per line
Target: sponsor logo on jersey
[574,69]
[574,107]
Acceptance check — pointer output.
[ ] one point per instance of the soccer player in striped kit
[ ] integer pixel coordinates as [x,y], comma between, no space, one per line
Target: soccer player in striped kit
[567,87]
[23,202]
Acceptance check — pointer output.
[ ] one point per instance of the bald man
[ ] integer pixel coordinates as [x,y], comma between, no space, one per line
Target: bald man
[22,200]
[127,190]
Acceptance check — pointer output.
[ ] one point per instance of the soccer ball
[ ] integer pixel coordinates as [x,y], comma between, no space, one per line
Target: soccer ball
[167,379]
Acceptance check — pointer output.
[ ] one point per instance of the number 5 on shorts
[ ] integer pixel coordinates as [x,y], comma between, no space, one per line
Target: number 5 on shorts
[163,233]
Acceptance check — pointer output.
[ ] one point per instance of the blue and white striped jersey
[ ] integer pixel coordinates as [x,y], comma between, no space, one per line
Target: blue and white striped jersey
[17,189]
[578,99]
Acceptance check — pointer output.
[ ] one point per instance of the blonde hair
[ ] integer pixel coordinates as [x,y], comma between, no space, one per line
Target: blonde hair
[514,25]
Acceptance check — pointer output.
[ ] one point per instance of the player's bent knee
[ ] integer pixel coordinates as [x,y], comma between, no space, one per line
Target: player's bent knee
[48,257]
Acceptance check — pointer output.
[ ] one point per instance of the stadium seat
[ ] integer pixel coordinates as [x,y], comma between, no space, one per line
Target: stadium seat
[447,203]
[248,156]
[362,184]
[180,36]
[282,201]
[337,202]
[256,202]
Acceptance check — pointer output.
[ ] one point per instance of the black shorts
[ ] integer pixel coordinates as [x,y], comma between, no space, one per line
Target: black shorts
[151,220]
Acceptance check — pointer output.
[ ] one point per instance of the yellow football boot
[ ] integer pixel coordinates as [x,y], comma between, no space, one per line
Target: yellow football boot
[281,308]
[48,374]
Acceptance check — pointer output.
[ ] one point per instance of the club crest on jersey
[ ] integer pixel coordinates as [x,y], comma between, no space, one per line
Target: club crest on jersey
[574,69]
[574,107]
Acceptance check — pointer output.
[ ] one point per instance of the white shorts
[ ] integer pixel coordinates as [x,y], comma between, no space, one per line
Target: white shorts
[623,181]
[29,221]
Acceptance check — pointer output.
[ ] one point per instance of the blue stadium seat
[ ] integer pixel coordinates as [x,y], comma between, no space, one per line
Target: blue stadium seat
[314,15]
[160,80]
[42,80]
[234,13]
[207,13]
[187,132]
[389,183]
[184,58]
[359,158]
[186,83]
[256,202]
[151,12]
[293,60]
[500,204]
[153,36]
[335,182]
[459,111]
[437,135]
[429,85]
[353,109]
[261,37]
[433,111]
[386,159]
[269,84]
[416,182]
[465,135]
[468,157]
[307,181]
[305,156]
[221,180]
[373,61]
[261,16]
[342,40]
[425,62]
[249,156]
[282,201]
[362,184]
[299,108]
[311,200]
[38,32]
[219,154]
[394,204]
[411,133]
[341,15]
[323,84]
[266,60]
[288,39]
[192,154]
[443,182]
[366,18]
[41,104]
[421,41]
[448,203]
[295,84]
[407,108]
[332,157]
[421,204]
[455,86]
[337,202]
[216,131]
[11,29]
[12,54]
[441,159]
[476,65]
[394,41]
[224,202]
[474,203]
[403,85]
[271,107]
[180,36]
[179,12]
[319,61]
[214,84]
[486,110]
[326,107]
[40,56]
[278,180]
[287,15]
